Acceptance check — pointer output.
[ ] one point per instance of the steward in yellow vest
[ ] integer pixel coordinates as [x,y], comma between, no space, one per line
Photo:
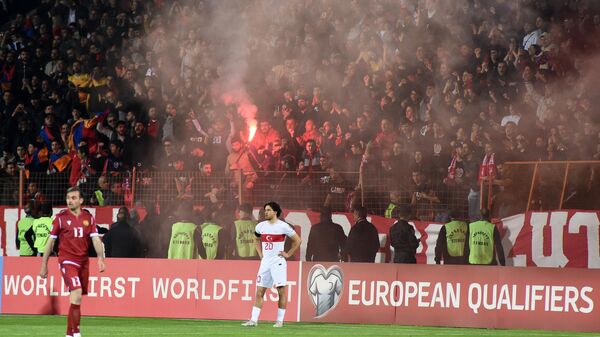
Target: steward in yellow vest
[450,245]
[214,241]
[243,235]
[394,202]
[42,227]
[25,236]
[186,236]
[484,243]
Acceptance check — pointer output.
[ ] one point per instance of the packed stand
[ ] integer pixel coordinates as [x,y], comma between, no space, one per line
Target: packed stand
[408,102]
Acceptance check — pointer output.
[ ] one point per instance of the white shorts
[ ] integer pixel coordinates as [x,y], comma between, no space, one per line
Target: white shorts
[272,273]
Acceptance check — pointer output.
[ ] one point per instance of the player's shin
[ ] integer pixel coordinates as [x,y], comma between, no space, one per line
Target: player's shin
[255,314]
[69,322]
[75,317]
[280,315]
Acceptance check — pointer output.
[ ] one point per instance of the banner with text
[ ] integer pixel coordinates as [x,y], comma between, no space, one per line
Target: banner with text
[145,288]
[543,239]
[460,296]
[457,296]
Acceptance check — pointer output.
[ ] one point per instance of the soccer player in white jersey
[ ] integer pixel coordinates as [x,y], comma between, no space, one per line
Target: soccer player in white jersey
[270,243]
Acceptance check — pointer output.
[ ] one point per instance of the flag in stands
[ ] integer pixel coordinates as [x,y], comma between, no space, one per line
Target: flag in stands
[85,130]
[47,136]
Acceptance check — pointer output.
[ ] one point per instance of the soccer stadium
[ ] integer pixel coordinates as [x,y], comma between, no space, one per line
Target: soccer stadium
[299,168]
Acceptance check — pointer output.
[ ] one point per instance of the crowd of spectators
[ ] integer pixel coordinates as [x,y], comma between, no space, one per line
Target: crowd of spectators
[421,97]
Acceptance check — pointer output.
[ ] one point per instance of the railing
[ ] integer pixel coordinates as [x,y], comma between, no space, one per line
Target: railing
[542,185]
[294,190]
[518,187]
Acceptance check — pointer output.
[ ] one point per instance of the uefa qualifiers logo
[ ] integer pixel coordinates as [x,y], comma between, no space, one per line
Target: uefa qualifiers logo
[325,288]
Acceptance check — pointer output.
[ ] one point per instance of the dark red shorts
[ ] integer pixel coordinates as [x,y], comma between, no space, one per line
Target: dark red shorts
[75,276]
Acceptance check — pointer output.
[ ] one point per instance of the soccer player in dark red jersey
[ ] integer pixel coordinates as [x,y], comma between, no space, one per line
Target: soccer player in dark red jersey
[73,227]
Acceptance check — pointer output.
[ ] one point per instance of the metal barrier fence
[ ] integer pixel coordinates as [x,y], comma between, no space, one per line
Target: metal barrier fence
[430,199]
[518,187]
[542,185]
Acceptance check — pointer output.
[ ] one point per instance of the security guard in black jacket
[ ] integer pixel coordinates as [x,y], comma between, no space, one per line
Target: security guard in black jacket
[403,238]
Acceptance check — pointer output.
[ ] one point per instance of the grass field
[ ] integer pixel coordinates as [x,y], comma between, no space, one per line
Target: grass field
[15,325]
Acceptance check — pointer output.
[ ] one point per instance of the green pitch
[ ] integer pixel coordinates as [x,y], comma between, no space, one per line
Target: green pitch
[38,326]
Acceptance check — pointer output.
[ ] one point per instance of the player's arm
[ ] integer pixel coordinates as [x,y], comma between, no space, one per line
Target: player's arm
[46,256]
[257,244]
[99,248]
[296,241]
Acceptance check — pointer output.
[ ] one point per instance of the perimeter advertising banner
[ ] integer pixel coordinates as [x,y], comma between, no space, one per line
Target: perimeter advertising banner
[145,288]
[460,296]
[456,296]
[1,279]
[543,239]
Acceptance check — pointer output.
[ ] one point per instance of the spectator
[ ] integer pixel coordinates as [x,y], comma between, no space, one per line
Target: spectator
[139,146]
[116,161]
[122,240]
[514,116]
[49,130]
[154,237]
[362,244]
[171,159]
[117,197]
[239,167]
[34,198]
[211,191]
[326,240]
[488,169]
[338,189]
[81,167]
[58,160]
[422,197]
[10,185]
[18,128]
[402,237]
[387,136]
[153,127]
[265,137]
[173,126]
[311,133]
[103,196]
[290,140]
[220,141]
[124,66]
[311,159]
